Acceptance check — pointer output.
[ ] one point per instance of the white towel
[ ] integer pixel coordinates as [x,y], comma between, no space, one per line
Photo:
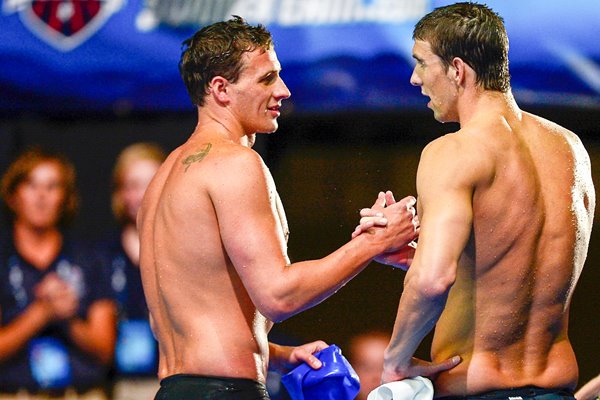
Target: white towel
[418,388]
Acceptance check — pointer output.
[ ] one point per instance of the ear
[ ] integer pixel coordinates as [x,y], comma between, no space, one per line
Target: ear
[219,87]
[458,71]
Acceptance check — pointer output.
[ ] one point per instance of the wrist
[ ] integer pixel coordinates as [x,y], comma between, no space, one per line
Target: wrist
[42,309]
[274,364]
[393,361]
[373,241]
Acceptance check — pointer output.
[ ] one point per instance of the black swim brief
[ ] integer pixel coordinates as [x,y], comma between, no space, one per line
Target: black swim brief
[199,387]
[522,393]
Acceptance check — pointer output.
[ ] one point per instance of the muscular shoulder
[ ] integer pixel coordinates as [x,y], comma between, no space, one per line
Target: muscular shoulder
[560,133]
[228,171]
[456,159]
[219,157]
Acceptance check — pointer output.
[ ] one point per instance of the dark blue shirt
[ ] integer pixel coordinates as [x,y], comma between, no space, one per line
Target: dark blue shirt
[137,350]
[18,278]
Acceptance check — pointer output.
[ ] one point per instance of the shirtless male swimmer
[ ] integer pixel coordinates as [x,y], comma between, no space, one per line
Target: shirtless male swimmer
[506,205]
[214,264]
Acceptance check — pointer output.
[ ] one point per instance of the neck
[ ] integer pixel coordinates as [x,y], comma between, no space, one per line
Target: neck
[218,124]
[480,101]
[30,234]
[39,246]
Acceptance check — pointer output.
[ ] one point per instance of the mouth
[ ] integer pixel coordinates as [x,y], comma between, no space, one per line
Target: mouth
[275,110]
[428,102]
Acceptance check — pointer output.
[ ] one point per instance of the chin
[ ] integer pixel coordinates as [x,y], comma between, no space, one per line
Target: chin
[441,118]
[269,129]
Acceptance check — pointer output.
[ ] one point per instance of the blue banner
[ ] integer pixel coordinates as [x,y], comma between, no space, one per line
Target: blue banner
[122,55]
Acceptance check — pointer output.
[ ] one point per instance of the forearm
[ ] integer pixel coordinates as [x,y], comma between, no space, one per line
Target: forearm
[419,309]
[16,335]
[96,335]
[305,284]
[590,390]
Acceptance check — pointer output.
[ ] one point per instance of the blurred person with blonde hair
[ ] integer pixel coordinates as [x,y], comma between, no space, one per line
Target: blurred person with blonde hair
[57,317]
[136,356]
[365,353]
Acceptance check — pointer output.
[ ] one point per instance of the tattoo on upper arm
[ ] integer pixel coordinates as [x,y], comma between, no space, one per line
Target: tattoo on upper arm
[199,156]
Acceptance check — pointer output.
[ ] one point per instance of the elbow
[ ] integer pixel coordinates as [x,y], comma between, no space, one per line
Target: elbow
[278,310]
[281,300]
[277,305]
[435,285]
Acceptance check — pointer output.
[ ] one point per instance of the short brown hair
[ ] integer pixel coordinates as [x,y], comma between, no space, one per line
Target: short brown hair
[18,172]
[130,154]
[216,50]
[474,33]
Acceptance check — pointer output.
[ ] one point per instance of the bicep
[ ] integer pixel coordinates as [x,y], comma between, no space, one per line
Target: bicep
[445,186]
[445,228]
[250,228]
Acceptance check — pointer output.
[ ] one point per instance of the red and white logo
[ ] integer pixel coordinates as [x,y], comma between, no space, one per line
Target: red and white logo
[64,24]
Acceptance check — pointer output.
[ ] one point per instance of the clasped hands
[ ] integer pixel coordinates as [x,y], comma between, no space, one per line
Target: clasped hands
[402,246]
[58,296]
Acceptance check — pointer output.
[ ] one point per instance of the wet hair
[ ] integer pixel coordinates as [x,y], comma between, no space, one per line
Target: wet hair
[474,33]
[216,50]
[20,169]
[130,154]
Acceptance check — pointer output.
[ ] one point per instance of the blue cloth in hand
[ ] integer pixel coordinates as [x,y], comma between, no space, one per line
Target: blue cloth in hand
[335,380]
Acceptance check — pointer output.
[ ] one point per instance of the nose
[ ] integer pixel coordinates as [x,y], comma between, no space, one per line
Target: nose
[414,78]
[282,91]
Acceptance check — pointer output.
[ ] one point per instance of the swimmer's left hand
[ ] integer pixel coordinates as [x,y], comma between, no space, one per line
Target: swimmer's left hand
[285,358]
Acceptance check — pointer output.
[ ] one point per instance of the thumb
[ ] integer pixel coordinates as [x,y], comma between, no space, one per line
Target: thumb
[313,361]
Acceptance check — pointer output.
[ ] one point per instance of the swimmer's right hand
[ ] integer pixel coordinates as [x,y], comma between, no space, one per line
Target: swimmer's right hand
[386,212]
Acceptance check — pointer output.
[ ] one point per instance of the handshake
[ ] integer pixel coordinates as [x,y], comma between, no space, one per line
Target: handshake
[397,222]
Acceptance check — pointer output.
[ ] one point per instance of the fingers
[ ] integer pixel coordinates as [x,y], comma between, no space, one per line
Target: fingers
[368,223]
[376,217]
[380,202]
[417,225]
[370,219]
[369,212]
[389,198]
[59,296]
[436,368]
[409,202]
[308,358]
[319,345]
[305,353]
